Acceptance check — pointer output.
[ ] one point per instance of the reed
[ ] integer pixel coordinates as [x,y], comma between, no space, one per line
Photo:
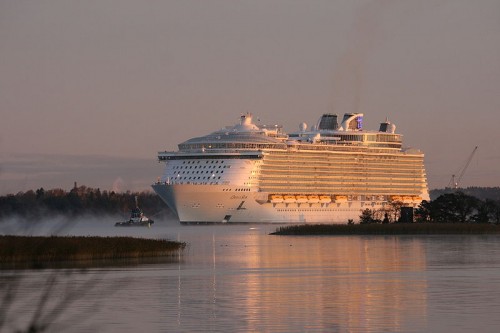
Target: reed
[390,229]
[17,249]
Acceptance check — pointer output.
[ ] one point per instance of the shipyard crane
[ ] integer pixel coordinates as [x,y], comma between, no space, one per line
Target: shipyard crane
[455,180]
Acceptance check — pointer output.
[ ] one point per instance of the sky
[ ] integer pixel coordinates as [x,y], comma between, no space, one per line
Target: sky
[91,90]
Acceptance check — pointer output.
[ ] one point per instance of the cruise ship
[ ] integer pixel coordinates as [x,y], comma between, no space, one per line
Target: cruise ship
[328,173]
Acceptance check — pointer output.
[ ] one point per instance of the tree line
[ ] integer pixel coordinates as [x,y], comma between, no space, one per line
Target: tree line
[78,201]
[482,193]
[450,207]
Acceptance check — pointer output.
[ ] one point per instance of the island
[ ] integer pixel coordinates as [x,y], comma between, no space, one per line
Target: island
[50,249]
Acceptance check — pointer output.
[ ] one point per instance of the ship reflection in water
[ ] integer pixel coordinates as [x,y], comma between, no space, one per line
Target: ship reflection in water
[315,284]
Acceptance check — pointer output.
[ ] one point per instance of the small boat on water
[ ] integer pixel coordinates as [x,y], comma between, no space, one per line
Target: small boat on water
[137,218]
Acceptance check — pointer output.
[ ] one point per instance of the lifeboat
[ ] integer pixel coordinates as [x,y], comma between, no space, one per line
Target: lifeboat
[396,198]
[417,198]
[340,198]
[313,198]
[407,199]
[289,198]
[275,198]
[325,198]
[301,198]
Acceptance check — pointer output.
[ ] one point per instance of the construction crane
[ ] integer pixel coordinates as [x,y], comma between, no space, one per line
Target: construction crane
[455,180]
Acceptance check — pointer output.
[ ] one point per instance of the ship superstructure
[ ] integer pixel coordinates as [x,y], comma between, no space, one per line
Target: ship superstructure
[329,173]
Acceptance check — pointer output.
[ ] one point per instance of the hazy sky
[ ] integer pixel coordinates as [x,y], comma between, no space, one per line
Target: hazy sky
[91,90]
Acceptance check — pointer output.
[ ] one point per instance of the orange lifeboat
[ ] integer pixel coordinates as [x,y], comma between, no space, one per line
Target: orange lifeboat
[325,198]
[301,198]
[289,198]
[407,199]
[313,198]
[275,198]
[340,198]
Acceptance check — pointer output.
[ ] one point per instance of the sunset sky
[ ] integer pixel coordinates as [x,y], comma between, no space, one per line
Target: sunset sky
[91,90]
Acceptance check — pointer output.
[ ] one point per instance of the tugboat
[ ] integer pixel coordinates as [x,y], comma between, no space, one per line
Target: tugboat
[137,218]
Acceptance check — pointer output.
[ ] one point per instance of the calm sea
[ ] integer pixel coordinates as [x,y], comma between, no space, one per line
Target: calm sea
[238,278]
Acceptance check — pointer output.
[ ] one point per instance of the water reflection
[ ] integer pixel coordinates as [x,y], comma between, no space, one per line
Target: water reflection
[268,282]
[241,279]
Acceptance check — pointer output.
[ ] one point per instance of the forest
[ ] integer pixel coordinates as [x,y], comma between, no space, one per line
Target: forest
[79,201]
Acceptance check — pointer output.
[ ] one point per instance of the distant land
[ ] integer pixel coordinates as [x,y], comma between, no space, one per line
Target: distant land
[482,193]
[79,201]
[82,200]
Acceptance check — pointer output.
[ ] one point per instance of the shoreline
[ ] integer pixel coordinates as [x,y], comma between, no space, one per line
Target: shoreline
[390,229]
[43,250]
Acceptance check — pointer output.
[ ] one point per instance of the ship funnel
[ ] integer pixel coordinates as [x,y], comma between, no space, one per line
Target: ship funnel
[328,122]
[352,122]
[387,127]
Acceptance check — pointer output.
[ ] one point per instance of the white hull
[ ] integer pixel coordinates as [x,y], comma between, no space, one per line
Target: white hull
[209,204]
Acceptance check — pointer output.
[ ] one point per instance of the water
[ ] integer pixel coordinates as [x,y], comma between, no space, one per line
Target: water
[241,279]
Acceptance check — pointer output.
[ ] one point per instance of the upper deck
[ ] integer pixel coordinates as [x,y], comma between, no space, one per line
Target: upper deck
[349,132]
[327,135]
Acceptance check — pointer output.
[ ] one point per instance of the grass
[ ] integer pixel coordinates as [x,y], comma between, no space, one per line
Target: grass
[390,229]
[19,249]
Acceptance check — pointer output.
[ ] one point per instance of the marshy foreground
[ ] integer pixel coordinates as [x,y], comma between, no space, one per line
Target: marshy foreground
[390,229]
[20,249]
